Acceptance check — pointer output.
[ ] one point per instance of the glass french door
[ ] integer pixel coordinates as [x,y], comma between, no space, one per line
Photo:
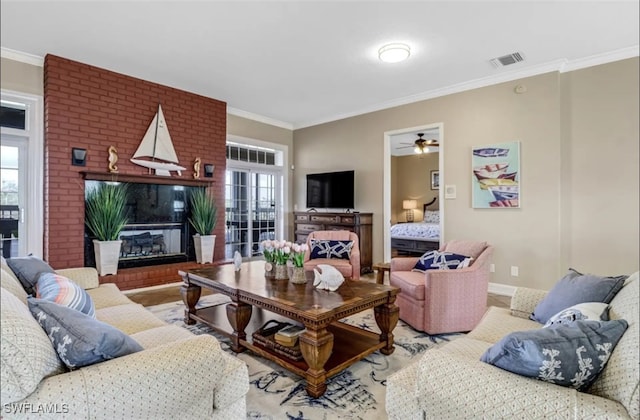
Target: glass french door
[252,208]
[13,175]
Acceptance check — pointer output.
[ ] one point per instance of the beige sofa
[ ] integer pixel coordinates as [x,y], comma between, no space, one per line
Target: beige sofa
[451,382]
[177,375]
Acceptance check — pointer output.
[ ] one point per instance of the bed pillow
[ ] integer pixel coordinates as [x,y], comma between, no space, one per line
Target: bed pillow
[592,311]
[431,216]
[575,288]
[330,249]
[567,355]
[439,260]
[59,289]
[79,339]
[27,269]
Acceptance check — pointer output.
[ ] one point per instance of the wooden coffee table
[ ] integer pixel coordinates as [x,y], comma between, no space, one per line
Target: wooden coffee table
[327,346]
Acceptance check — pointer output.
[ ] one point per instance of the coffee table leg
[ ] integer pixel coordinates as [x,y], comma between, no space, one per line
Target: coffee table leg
[190,295]
[387,318]
[239,315]
[316,347]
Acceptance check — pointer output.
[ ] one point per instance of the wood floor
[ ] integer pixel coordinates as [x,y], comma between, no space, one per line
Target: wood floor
[172,294]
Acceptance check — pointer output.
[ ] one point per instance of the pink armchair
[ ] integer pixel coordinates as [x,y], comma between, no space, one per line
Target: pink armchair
[349,268]
[444,301]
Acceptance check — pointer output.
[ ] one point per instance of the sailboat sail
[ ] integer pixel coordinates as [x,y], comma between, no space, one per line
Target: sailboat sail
[157,144]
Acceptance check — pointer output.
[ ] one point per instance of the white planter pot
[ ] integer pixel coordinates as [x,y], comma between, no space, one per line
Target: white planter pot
[204,246]
[107,256]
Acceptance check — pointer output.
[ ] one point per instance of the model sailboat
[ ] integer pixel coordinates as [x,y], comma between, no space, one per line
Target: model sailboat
[156,144]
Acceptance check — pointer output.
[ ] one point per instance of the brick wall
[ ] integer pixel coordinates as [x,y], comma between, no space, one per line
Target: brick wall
[93,108]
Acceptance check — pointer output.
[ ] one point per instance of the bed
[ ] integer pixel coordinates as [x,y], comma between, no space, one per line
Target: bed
[417,238]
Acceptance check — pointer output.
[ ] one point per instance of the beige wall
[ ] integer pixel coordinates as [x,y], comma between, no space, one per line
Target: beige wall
[411,179]
[551,231]
[600,184]
[21,77]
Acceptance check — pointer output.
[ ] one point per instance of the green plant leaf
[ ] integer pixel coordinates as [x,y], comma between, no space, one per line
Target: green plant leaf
[203,212]
[105,210]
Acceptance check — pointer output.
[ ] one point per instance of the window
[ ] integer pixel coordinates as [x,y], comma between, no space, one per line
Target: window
[254,198]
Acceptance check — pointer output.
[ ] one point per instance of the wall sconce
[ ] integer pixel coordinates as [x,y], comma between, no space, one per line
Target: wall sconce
[78,157]
[208,170]
[409,205]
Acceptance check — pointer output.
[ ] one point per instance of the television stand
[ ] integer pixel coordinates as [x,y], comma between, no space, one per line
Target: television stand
[359,223]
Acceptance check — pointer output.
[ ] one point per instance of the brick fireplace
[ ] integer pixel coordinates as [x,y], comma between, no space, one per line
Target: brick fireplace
[92,108]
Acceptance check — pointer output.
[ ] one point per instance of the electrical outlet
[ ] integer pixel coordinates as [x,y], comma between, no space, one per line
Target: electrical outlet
[492,268]
[514,271]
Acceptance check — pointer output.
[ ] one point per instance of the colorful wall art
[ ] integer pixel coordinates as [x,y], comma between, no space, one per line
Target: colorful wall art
[496,176]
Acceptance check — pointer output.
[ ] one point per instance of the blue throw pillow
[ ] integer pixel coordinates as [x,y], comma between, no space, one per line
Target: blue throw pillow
[437,260]
[79,339]
[568,355]
[576,288]
[27,270]
[59,289]
[330,249]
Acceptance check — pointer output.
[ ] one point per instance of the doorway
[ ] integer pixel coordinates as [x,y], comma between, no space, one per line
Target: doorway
[405,140]
[251,210]
[21,175]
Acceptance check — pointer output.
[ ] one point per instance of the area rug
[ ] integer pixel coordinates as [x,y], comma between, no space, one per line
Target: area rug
[356,393]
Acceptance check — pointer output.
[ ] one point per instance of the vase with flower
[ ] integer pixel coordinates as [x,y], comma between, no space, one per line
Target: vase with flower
[281,252]
[297,257]
[268,250]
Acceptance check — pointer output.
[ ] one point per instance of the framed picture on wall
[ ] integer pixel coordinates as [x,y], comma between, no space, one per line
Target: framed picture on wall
[496,176]
[435,180]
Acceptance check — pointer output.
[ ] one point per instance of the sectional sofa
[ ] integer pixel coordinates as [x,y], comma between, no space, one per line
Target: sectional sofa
[451,382]
[176,375]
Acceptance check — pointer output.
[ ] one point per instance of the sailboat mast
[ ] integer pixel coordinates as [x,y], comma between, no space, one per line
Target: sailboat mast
[155,136]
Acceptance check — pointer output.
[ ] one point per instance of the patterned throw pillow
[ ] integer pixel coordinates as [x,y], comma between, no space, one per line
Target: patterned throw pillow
[593,311]
[437,260]
[567,355]
[431,216]
[331,249]
[27,270]
[59,289]
[79,339]
[576,288]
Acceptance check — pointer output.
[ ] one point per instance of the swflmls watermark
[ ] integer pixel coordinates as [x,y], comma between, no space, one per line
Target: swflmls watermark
[39,408]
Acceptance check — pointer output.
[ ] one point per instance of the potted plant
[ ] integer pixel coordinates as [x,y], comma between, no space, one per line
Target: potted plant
[105,216]
[203,219]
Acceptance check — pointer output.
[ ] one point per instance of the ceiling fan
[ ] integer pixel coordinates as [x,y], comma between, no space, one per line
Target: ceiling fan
[421,145]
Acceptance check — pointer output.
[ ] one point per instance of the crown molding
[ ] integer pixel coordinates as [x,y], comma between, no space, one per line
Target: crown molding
[22,57]
[259,118]
[596,60]
[562,66]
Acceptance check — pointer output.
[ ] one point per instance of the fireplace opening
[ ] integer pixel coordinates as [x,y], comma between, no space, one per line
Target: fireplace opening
[158,230]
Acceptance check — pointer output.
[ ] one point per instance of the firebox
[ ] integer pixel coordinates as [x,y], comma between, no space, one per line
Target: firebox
[158,229]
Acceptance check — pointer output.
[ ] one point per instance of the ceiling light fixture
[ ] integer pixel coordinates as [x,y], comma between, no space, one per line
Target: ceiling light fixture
[394,53]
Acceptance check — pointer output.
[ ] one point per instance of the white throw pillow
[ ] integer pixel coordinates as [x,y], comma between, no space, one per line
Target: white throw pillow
[27,353]
[592,311]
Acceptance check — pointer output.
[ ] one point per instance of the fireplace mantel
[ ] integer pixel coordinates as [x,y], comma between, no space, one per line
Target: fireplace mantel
[145,179]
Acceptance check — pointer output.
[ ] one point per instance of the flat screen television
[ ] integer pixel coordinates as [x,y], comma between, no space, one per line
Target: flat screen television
[331,190]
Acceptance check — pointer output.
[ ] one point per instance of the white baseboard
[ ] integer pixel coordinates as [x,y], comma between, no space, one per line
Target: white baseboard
[502,289]
[145,289]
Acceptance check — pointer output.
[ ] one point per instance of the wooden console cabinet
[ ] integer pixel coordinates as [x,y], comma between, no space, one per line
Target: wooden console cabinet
[360,223]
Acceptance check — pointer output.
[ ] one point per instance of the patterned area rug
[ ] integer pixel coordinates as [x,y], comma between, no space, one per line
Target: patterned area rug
[356,393]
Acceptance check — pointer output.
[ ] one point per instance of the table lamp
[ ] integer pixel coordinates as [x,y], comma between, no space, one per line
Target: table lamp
[409,205]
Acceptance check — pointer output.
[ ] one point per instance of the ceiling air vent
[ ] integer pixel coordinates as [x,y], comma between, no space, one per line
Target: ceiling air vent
[508,59]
